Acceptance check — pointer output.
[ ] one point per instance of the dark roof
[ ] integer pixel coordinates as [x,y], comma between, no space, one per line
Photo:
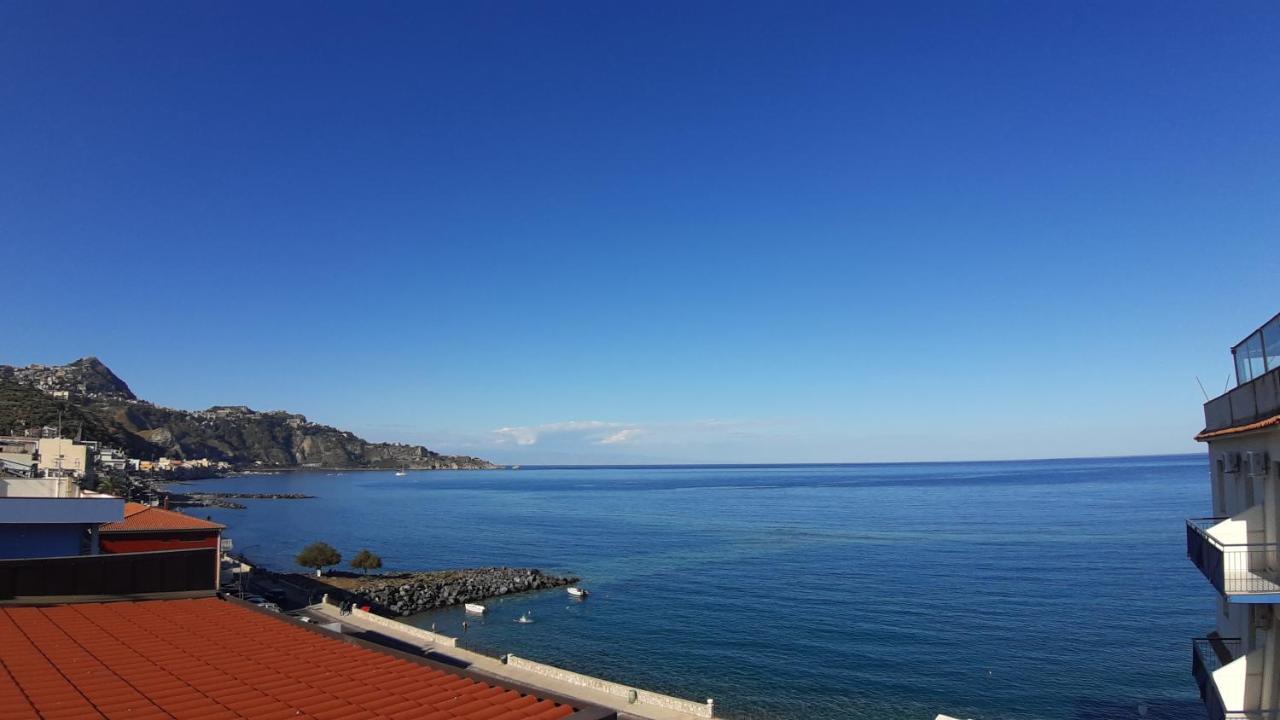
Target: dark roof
[212,658]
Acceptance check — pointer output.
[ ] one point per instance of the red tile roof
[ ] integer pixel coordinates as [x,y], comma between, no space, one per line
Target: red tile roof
[1211,434]
[210,658]
[142,518]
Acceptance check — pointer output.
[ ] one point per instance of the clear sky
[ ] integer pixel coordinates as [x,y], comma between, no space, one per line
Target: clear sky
[651,232]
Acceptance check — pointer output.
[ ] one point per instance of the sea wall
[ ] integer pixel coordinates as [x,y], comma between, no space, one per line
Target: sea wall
[409,594]
[399,627]
[624,692]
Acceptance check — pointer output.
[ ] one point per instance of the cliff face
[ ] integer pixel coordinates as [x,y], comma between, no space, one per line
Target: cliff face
[91,397]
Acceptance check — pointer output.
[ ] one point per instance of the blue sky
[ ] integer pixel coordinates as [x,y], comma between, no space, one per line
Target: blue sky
[652,232]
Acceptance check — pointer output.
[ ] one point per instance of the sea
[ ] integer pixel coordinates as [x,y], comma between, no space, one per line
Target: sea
[1048,589]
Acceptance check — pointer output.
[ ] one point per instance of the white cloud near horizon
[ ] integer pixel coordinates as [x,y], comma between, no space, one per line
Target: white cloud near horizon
[530,434]
[610,433]
[621,436]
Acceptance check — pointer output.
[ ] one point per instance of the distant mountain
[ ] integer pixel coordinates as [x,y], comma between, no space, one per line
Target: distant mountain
[95,402]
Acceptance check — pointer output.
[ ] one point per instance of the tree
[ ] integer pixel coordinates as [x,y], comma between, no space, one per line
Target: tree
[318,555]
[366,561]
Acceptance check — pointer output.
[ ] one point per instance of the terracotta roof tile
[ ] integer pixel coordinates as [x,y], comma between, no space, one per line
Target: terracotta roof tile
[1206,435]
[208,658]
[143,518]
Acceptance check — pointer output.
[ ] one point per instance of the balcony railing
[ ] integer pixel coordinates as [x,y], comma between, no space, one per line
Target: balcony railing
[1233,569]
[1207,655]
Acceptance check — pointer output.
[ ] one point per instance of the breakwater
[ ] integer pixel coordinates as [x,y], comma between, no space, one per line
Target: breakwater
[410,593]
[223,499]
[623,693]
[635,702]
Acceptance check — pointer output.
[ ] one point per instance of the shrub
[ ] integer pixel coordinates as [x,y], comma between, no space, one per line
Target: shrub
[366,561]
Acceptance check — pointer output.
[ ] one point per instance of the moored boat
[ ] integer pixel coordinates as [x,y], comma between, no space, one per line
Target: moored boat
[476,608]
[577,592]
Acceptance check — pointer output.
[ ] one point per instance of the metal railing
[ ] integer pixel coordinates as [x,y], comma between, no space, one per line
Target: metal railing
[1209,654]
[1233,569]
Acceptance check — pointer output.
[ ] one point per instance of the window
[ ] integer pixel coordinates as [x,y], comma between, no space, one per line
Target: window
[1271,343]
[1250,362]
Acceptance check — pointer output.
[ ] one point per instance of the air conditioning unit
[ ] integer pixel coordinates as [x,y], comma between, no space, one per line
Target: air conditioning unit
[1230,462]
[1256,464]
[1262,617]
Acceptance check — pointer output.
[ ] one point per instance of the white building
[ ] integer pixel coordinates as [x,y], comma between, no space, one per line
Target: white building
[1237,666]
[63,457]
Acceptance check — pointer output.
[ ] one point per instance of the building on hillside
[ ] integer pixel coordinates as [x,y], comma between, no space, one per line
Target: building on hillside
[19,444]
[64,457]
[1237,665]
[18,456]
[147,529]
[112,460]
[165,463]
[52,517]
[209,657]
[22,465]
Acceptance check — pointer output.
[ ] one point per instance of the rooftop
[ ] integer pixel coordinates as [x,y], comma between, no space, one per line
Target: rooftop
[40,487]
[145,518]
[1254,403]
[211,658]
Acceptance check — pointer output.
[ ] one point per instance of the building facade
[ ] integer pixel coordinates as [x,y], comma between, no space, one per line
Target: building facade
[52,517]
[63,457]
[1237,548]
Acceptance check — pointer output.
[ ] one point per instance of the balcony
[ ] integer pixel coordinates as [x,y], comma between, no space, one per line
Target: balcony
[1251,402]
[1208,654]
[1239,567]
[1229,681]
[1256,396]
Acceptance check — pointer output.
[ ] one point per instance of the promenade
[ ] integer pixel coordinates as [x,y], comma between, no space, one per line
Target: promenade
[444,650]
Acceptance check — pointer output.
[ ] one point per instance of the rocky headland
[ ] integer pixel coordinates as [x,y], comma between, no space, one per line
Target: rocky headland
[409,593]
[92,402]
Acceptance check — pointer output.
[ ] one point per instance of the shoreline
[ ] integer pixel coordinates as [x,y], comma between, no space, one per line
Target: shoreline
[630,702]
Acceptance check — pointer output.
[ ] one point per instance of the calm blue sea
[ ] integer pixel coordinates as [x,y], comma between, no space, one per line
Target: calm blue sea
[996,591]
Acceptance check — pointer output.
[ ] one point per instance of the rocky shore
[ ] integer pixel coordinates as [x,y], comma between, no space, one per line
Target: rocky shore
[410,593]
[220,499]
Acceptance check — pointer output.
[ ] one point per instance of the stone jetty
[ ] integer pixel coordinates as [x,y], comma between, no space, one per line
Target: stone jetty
[222,499]
[409,593]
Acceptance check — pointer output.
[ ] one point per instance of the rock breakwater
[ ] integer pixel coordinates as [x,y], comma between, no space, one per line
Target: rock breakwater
[410,593]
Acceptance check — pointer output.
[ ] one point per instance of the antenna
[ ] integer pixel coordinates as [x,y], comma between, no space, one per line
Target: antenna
[1226,384]
[1202,392]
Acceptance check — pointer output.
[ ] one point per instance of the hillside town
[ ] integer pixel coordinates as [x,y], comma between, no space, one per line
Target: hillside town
[45,453]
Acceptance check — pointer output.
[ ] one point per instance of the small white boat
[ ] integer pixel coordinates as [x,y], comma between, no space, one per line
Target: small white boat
[401,472]
[525,619]
[577,592]
[476,608]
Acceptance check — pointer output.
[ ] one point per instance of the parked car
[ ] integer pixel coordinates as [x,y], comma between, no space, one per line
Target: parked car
[269,606]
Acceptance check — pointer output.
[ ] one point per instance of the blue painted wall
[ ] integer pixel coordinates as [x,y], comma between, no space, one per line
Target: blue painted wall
[26,541]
